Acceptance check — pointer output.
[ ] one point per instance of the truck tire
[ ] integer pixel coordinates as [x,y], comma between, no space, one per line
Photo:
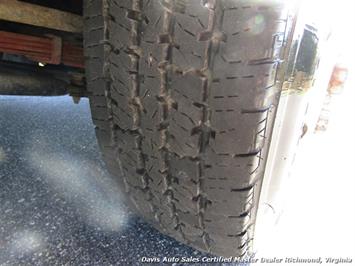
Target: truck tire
[183,97]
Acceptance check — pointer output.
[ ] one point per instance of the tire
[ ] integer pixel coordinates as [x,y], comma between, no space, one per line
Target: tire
[182,96]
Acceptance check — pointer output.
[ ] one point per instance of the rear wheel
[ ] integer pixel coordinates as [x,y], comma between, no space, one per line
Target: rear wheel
[182,99]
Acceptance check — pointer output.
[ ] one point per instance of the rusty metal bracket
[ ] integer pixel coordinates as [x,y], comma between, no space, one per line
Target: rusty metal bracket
[31,14]
[50,49]
[57,47]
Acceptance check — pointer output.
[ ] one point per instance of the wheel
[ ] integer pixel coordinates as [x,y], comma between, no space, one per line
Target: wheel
[183,97]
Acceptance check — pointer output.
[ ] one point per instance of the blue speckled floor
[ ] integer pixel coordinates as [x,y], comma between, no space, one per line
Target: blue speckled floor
[58,206]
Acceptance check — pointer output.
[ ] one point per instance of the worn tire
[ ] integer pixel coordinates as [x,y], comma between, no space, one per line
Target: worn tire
[182,93]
